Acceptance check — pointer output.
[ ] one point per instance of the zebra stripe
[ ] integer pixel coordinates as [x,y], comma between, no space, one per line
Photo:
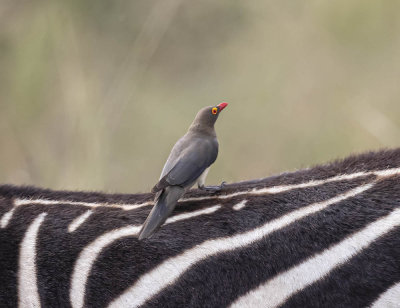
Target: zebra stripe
[389,299]
[239,205]
[27,279]
[171,269]
[279,289]
[312,183]
[6,218]
[79,220]
[262,191]
[90,253]
[20,201]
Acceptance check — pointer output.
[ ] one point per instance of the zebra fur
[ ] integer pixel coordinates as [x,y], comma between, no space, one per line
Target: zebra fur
[290,240]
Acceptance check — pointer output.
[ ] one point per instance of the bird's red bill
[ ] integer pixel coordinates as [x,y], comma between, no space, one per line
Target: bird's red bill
[222,106]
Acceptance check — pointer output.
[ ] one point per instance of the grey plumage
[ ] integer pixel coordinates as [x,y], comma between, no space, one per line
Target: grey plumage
[189,159]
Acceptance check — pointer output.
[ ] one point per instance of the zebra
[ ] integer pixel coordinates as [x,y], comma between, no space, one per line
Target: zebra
[326,236]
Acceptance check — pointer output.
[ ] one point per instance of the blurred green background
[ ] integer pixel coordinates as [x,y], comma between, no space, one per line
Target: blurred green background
[93,94]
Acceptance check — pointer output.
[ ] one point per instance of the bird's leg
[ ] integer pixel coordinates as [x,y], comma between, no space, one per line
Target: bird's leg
[212,188]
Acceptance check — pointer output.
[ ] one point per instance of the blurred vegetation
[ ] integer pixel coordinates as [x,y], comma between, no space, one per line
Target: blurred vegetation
[93,94]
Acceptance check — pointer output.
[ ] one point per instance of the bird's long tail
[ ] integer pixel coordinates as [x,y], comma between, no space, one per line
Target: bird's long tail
[165,203]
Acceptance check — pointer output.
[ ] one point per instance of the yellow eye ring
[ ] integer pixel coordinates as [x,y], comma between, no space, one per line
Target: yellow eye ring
[214,110]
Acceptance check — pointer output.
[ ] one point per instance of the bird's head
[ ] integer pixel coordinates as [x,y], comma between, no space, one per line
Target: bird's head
[206,117]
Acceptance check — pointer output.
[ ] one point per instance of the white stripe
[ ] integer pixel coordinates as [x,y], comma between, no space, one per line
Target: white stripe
[19,201]
[387,172]
[6,218]
[262,191]
[75,224]
[128,207]
[87,258]
[389,299]
[277,290]
[183,216]
[170,270]
[28,295]
[283,188]
[90,253]
[239,205]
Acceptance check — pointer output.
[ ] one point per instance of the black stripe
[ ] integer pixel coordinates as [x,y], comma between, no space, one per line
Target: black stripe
[359,282]
[9,252]
[5,205]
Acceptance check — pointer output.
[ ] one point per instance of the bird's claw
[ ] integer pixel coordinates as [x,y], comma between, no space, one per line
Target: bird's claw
[214,189]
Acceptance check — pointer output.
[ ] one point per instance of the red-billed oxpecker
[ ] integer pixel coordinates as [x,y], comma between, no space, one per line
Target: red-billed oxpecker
[188,163]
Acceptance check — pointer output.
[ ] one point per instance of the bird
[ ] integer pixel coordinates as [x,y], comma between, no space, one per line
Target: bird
[189,162]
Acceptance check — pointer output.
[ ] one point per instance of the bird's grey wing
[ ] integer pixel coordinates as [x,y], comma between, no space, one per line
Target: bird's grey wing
[190,164]
[176,151]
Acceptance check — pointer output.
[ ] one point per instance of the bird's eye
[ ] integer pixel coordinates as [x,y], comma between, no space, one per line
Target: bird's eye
[214,110]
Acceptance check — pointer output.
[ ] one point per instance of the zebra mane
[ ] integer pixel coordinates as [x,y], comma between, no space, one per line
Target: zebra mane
[286,240]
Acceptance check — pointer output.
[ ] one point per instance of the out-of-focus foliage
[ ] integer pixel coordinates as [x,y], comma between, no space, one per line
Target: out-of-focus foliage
[94,93]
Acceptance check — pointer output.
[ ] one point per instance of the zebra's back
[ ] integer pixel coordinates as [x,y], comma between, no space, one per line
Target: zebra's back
[327,236]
